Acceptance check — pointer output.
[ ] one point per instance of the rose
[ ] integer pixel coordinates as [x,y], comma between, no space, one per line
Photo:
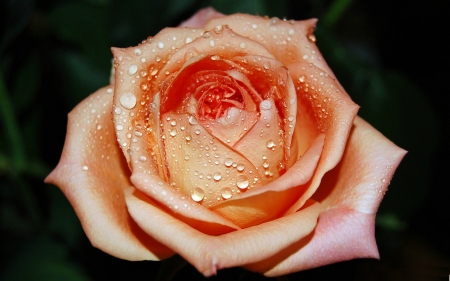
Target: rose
[306,174]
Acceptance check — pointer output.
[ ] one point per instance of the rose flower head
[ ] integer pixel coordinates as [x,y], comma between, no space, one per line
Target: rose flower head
[230,142]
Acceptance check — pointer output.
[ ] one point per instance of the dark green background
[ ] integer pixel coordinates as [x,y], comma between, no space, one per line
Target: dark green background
[391,56]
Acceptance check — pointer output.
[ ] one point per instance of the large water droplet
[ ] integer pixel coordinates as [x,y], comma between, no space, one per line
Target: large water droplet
[242,182]
[192,120]
[132,69]
[128,100]
[265,105]
[240,167]
[217,176]
[160,45]
[197,194]
[226,193]
[270,144]
[228,162]
[173,133]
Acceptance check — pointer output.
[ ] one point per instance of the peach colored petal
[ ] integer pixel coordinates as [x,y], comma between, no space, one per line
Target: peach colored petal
[136,70]
[193,163]
[323,107]
[169,198]
[289,41]
[350,195]
[93,174]
[268,202]
[211,253]
[201,17]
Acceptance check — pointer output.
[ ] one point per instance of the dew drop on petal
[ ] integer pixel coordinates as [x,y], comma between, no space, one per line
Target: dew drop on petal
[119,127]
[132,69]
[192,120]
[265,105]
[117,110]
[242,182]
[85,168]
[217,176]
[160,45]
[266,65]
[226,193]
[240,167]
[142,158]
[228,162]
[270,144]
[197,194]
[128,100]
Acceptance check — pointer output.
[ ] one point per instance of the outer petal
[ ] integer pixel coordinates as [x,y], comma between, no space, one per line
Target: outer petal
[201,17]
[211,253]
[289,41]
[93,174]
[350,195]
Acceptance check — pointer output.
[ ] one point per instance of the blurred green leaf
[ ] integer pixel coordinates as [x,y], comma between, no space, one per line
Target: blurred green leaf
[18,15]
[26,84]
[82,77]
[85,26]
[178,7]
[62,220]
[43,259]
[11,126]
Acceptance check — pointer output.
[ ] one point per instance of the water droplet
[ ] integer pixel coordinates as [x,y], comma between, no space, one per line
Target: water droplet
[186,157]
[291,118]
[132,69]
[218,29]
[291,31]
[160,45]
[215,57]
[266,165]
[270,144]
[301,78]
[228,162]
[312,37]
[217,176]
[254,26]
[188,40]
[265,105]
[173,122]
[242,182]
[188,138]
[206,34]
[137,52]
[128,100]
[117,110]
[242,45]
[99,127]
[240,167]
[138,134]
[226,193]
[211,43]
[197,132]
[85,168]
[266,65]
[197,194]
[142,158]
[119,127]
[173,133]
[192,120]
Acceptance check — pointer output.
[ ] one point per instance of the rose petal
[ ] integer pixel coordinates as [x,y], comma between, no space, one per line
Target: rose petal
[211,253]
[289,41]
[137,69]
[350,195]
[323,108]
[194,162]
[268,202]
[93,174]
[201,17]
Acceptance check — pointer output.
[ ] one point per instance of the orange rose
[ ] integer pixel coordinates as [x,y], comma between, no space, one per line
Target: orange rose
[229,143]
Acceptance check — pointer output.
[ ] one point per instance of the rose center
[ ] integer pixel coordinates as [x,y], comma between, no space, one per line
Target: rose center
[215,99]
